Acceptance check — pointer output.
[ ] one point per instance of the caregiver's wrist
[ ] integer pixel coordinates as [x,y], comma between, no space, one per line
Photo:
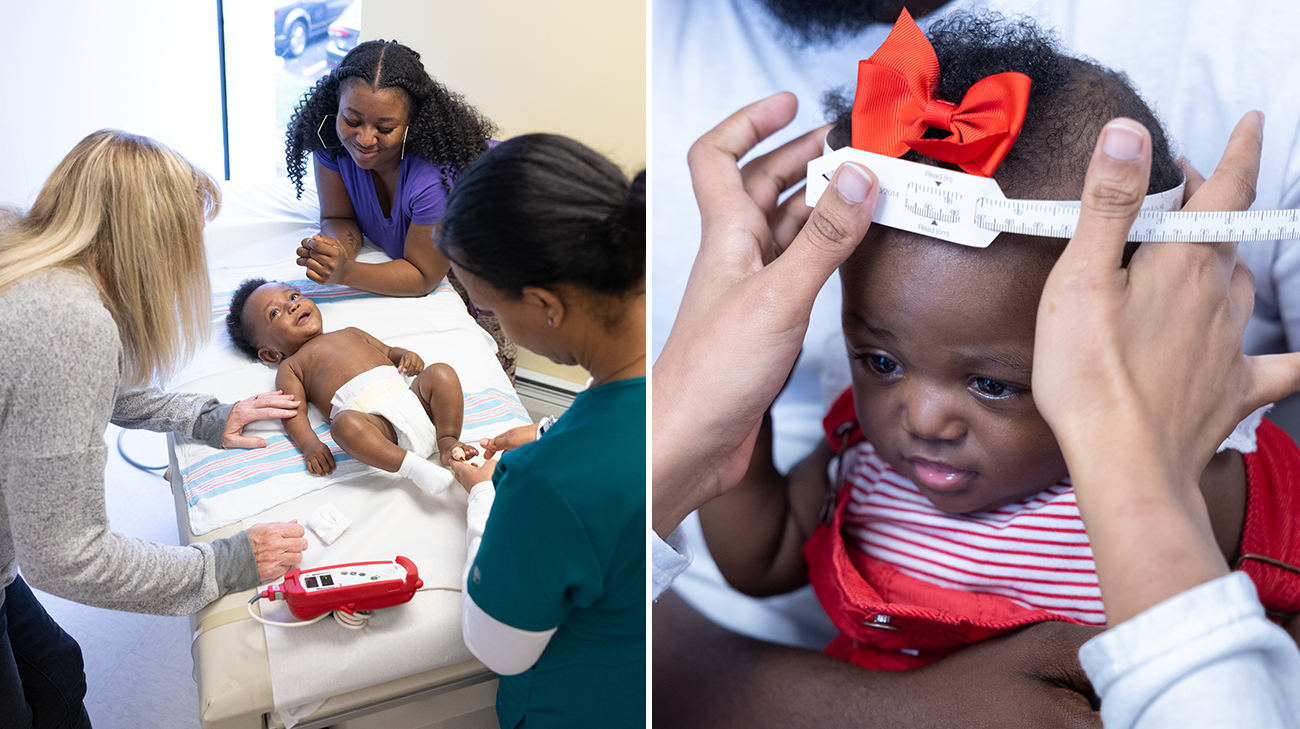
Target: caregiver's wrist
[675,493]
[1149,548]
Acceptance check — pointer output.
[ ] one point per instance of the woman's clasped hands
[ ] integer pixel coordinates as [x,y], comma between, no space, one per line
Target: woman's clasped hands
[326,259]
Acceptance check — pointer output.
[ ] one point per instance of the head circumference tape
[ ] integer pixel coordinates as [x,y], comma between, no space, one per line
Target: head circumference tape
[971,210]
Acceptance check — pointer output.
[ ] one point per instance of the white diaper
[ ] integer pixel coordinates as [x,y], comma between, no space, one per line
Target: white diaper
[383,391]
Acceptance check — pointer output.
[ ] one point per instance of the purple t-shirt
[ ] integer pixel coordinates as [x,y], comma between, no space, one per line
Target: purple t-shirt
[418,200]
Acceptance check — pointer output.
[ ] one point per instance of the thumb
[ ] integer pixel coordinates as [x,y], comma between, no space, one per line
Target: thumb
[1276,376]
[245,441]
[832,233]
[1113,191]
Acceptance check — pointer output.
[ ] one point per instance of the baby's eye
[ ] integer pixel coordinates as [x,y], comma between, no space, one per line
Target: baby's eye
[993,389]
[881,363]
[275,313]
[294,296]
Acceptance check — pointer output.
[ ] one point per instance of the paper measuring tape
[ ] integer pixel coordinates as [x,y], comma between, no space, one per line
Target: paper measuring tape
[972,210]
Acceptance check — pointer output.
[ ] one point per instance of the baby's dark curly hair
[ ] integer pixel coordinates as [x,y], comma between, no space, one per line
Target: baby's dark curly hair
[444,129]
[239,334]
[1069,102]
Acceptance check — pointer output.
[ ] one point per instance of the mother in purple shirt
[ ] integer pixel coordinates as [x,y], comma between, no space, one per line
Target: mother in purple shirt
[387,142]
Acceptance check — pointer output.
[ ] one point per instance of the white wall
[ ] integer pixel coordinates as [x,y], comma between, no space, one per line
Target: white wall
[74,66]
[573,67]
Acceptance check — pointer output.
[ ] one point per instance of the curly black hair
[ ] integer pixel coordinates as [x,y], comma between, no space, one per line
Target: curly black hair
[443,128]
[239,335]
[1070,100]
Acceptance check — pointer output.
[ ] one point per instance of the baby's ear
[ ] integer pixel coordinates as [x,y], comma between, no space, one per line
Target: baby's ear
[269,356]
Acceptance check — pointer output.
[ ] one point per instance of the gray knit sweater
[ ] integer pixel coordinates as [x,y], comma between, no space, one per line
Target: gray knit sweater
[60,383]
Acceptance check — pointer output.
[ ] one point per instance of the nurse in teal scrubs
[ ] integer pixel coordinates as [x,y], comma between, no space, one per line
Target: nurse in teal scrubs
[551,236]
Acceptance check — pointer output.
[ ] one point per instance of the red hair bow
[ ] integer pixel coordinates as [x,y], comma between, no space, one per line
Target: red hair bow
[895,104]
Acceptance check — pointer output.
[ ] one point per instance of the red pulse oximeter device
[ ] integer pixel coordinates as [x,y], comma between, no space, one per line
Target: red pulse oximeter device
[352,588]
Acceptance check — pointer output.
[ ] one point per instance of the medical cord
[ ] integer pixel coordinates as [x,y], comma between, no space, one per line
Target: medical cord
[122,452]
[351,621]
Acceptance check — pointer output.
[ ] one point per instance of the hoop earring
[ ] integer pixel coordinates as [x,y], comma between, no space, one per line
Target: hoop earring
[408,131]
[322,139]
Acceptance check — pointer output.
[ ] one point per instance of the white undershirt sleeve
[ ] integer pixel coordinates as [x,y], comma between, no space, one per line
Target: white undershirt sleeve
[669,558]
[505,649]
[1205,658]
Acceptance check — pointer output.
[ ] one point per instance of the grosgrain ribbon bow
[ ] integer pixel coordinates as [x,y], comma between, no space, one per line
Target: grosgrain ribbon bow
[895,104]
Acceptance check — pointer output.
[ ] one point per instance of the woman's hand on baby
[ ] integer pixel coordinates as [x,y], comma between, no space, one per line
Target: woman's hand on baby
[469,475]
[259,407]
[1154,348]
[276,547]
[1140,373]
[511,439]
[758,271]
[325,259]
[320,461]
[451,450]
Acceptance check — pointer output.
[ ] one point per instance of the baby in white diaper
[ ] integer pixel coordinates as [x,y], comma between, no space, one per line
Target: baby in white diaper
[358,381]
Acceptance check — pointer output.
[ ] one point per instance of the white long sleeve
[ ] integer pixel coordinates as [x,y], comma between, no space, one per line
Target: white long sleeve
[505,649]
[1205,658]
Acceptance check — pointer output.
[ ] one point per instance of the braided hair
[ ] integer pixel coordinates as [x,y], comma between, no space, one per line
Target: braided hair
[443,128]
[542,209]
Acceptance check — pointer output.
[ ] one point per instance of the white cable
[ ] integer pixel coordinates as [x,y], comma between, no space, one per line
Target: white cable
[264,621]
[351,621]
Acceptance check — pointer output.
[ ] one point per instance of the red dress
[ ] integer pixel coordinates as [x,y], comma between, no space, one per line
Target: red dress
[890,620]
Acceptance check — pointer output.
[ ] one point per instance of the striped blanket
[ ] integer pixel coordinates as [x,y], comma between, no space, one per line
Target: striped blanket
[226,486]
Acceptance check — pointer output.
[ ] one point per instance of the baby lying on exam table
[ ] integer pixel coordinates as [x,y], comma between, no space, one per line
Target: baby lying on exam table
[358,382]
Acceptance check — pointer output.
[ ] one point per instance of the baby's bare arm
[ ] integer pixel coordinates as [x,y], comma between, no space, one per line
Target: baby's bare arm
[319,459]
[756,532]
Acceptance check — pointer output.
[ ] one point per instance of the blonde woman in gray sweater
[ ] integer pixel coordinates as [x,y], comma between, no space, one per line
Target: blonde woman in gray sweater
[104,290]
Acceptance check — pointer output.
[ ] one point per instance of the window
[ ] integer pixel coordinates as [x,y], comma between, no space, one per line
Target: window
[268,67]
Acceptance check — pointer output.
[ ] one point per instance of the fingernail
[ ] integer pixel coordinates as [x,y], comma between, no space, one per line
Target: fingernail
[1121,142]
[1261,122]
[853,183]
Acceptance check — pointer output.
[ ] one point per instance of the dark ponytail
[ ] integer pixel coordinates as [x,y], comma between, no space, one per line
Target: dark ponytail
[543,209]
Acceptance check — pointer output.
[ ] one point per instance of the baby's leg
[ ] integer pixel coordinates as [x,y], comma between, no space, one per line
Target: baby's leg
[368,438]
[372,440]
[438,388]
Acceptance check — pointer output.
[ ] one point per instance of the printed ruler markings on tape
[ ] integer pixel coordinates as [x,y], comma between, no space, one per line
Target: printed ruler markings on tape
[917,198]
[1019,216]
[931,200]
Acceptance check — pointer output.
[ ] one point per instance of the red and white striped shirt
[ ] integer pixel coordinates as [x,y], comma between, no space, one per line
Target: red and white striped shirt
[1034,552]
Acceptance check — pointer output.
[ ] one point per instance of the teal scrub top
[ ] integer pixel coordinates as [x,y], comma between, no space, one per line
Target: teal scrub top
[564,547]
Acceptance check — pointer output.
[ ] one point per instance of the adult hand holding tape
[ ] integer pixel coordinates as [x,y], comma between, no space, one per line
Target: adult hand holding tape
[744,299]
[1137,367]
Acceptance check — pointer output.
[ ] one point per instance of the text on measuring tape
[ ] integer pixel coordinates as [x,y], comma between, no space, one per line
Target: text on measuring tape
[972,210]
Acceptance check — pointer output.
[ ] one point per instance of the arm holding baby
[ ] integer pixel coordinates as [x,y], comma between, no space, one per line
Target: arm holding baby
[756,531]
